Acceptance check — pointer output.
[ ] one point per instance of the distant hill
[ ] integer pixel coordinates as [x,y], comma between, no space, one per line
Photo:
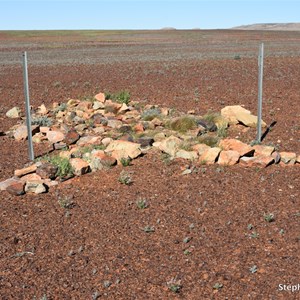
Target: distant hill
[271,26]
[168,28]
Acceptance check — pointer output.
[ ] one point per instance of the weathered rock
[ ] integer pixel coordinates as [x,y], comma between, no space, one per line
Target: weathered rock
[139,127]
[73,102]
[89,140]
[159,137]
[42,110]
[228,158]
[72,137]
[263,150]
[236,145]
[123,108]
[35,187]
[145,141]
[257,161]
[99,119]
[190,155]
[288,157]
[55,136]
[14,113]
[100,97]
[21,132]
[44,129]
[210,156]
[169,145]
[113,123]
[125,129]
[123,149]
[79,166]
[100,160]
[31,177]
[200,148]
[106,141]
[84,106]
[98,105]
[47,170]
[157,122]
[298,159]
[14,187]
[24,171]
[236,113]
[276,157]
[59,146]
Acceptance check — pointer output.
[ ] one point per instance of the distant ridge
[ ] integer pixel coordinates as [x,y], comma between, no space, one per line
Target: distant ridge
[168,28]
[271,26]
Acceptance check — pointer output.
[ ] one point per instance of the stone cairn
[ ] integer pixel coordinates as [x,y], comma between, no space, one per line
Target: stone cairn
[106,130]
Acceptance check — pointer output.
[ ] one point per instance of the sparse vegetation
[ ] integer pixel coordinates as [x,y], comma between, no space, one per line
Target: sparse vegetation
[150,114]
[120,97]
[125,161]
[183,124]
[42,121]
[174,285]
[125,178]
[142,203]
[63,164]
[269,217]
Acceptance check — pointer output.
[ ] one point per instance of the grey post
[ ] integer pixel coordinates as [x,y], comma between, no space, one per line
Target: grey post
[27,106]
[260,89]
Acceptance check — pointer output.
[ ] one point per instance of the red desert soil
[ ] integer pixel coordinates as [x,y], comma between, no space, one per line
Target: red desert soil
[209,229]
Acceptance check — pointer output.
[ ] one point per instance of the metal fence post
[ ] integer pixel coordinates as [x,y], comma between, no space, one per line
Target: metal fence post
[27,106]
[260,90]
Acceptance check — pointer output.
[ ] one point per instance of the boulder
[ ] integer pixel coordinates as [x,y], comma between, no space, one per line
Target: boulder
[89,140]
[100,97]
[256,161]
[288,157]
[72,137]
[263,150]
[14,113]
[13,186]
[210,156]
[237,114]
[169,145]
[100,160]
[79,166]
[200,148]
[36,187]
[125,149]
[47,170]
[190,155]
[21,132]
[228,158]
[55,136]
[236,145]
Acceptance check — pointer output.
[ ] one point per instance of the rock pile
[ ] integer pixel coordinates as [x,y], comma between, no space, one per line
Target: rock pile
[99,133]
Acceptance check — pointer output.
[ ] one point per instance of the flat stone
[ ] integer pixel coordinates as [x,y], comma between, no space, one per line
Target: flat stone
[210,156]
[106,141]
[288,157]
[123,108]
[236,145]
[190,155]
[31,177]
[89,140]
[80,166]
[98,105]
[263,150]
[24,171]
[256,161]
[100,160]
[35,187]
[169,145]
[124,149]
[114,123]
[55,136]
[84,106]
[228,158]
[13,113]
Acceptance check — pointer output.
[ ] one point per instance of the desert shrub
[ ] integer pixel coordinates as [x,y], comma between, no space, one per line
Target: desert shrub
[209,140]
[183,124]
[61,107]
[41,121]
[211,117]
[63,164]
[150,114]
[120,97]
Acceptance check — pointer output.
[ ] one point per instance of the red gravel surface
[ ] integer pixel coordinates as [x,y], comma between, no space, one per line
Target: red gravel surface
[208,227]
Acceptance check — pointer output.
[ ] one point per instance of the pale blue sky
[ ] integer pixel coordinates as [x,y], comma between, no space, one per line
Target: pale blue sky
[139,14]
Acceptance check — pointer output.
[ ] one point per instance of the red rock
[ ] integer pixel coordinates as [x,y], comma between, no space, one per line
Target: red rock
[80,166]
[24,171]
[263,150]
[236,145]
[31,177]
[100,97]
[55,136]
[228,158]
[47,170]
[85,105]
[210,156]
[72,137]
[257,161]
[89,140]
[15,187]
[288,157]
[124,149]
[21,132]
[139,127]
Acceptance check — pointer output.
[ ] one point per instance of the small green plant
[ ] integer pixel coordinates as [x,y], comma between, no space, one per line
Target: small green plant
[183,124]
[250,226]
[222,131]
[254,235]
[125,178]
[148,229]
[174,285]
[166,158]
[237,57]
[253,269]
[125,161]
[63,164]
[209,140]
[121,97]
[66,202]
[269,217]
[61,107]
[41,121]
[217,286]
[142,203]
